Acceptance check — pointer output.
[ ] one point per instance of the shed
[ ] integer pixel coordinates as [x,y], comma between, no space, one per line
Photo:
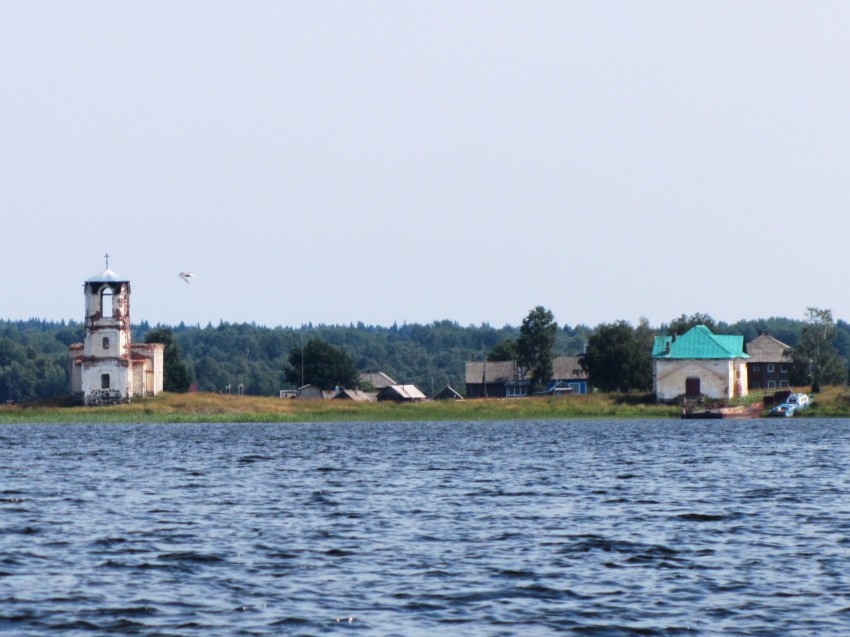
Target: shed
[355,395]
[448,393]
[401,393]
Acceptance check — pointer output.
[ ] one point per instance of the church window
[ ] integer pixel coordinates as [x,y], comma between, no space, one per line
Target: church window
[104,381]
[105,342]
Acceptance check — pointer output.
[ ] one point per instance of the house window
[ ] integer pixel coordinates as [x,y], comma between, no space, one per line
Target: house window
[104,381]
[105,342]
[770,368]
[783,369]
[756,367]
[771,384]
[516,391]
[783,383]
[756,385]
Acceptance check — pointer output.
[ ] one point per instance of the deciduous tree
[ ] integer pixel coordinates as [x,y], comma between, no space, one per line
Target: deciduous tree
[535,343]
[816,356]
[618,357]
[321,365]
[684,323]
[503,351]
[176,377]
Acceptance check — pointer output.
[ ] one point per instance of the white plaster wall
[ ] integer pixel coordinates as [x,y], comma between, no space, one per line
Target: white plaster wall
[139,377]
[76,378]
[716,377]
[119,376]
[117,342]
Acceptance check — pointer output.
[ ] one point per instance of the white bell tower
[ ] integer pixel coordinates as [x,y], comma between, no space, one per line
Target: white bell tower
[105,366]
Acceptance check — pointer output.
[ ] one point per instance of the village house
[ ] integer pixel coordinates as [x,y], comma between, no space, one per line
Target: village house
[506,379]
[699,363]
[107,368]
[769,364]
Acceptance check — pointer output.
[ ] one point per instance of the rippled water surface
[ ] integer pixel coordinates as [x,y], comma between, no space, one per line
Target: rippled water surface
[589,527]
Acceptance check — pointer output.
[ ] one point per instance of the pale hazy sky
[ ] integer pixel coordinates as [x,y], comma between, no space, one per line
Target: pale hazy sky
[335,162]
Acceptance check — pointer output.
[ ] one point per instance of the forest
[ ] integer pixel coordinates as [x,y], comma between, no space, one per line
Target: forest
[34,361]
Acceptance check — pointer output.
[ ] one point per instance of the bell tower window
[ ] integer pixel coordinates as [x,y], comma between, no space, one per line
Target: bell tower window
[106,302]
[104,381]
[105,342]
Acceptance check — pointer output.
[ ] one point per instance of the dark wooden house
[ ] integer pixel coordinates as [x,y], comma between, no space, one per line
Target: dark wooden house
[505,379]
[769,365]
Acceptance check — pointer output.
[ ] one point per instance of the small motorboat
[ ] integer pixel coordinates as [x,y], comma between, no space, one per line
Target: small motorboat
[785,410]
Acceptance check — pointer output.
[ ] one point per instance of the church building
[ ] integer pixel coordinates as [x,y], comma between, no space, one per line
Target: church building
[107,368]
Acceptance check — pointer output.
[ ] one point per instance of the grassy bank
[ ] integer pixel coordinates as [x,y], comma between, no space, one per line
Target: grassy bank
[203,407]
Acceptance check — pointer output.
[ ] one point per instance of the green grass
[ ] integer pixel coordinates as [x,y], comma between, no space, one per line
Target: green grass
[203,407]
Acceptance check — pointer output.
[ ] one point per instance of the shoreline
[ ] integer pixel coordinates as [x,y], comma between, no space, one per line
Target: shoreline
[200,407]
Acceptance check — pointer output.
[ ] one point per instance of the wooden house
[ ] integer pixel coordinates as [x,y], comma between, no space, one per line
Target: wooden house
[769,364]
[506,379]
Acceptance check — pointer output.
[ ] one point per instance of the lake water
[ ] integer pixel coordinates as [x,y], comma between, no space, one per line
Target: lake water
[577,527]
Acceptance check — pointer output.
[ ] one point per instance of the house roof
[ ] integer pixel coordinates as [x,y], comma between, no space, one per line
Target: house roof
[354,394]
[378,380]
[494,371]
[564,367]
[448,393]
[567,367]
[699,343]
[405,392]
[766,349]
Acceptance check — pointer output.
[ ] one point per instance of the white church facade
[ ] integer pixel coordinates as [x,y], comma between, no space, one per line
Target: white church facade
[108,368]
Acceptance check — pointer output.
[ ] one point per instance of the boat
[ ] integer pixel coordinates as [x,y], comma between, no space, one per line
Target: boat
[784,410]
[793,403]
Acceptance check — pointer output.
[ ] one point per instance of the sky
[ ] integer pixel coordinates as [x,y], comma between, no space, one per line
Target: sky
[408,162]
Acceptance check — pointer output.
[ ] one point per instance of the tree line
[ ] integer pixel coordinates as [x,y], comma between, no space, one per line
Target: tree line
[34,362]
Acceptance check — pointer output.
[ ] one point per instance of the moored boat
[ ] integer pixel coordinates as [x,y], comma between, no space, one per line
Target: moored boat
[784,410]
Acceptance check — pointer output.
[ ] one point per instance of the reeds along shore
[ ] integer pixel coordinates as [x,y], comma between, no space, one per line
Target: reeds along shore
[207,407]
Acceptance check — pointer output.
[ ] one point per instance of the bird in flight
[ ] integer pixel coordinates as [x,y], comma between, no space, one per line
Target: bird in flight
[187,275]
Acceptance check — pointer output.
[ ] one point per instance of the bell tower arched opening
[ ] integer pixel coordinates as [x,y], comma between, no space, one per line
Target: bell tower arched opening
[107,307]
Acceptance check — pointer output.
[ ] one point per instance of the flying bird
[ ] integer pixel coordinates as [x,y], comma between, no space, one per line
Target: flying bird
[187,275]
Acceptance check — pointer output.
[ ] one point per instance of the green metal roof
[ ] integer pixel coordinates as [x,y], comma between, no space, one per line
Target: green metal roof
[699,342]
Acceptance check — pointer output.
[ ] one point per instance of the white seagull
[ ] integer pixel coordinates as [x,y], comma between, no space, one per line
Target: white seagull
[187,275]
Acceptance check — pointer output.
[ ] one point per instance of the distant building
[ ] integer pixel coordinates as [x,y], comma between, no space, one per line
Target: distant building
[769,364]
[401,394]
[311,392]
[505,379]
[699,363]
[107,368]
[355,395]
[448,393]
